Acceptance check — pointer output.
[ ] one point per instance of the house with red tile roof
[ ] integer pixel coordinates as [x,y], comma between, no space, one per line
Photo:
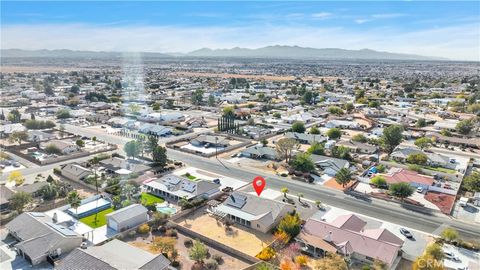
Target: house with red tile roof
[398,175]
[346,235]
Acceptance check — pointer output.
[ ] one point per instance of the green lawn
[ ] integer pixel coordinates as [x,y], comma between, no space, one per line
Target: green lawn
[440,169]
[151,199]
[189,176]
[101,219]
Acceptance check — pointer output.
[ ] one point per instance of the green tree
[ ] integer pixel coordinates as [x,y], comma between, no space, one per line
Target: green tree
[378,181]
[18,136]
[302,162]
[211,101]
[449,234]
[472,182]
[48,192]
[417,158]
[374,104]
[334,133]
[290,224]
[464,127]
[284,190]
[316,149]
[392,136]
[19,200]
[298,127]
[401,190]
[349,107]
[75,89]
[80,143]
[435,250]
[132,148]
[198,252]
[14,116]
[277,115]
[152,143]
[423,143]
[197,97]
[314,131]
[421,123]
[307,97]
[359,138]
[341,152]
[285,147]
[229,111]
[63,114]
[335,110]
[343,177]
[52,149]
[156,106]
[159,155]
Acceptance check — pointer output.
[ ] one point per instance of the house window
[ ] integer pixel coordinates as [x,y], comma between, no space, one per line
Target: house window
[258,225]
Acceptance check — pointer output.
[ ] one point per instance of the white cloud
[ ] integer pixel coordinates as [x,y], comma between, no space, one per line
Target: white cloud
[322,15]
[456,42]
[362,21]
[388,15]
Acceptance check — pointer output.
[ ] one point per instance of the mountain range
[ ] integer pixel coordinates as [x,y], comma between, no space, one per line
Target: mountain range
[271,52]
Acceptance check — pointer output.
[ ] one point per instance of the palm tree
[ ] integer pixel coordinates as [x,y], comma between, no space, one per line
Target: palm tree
[343,176]
[94,162]
[300,195]
[74,200]
[284,190]
[318,203]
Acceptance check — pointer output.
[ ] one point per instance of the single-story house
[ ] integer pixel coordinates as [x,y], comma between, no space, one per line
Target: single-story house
[358,147]
[157,130]
[66,147]
[342,124]
[398,175]
[39,136]
[329,165]
[253,211]
[115,164]
[113,255]
[210,141]
[75,171]
[347,235]
[304,138]
[127,217]
[177,187]
[39,237]
[260,152]
[5,195]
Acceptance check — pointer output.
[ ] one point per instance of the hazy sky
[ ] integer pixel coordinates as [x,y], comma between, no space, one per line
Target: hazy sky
[444,29]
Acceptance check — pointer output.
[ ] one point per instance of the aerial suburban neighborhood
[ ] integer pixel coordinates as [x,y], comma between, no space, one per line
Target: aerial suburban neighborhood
[217,160]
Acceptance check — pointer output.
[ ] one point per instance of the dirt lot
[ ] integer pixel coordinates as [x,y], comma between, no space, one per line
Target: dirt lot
[247,240]
[185,262]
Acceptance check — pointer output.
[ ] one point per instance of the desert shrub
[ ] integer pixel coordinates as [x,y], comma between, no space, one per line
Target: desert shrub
[171,233]
[266,254]
[188,243]
[143,229]
[132,234]
[211,264]
[218,258]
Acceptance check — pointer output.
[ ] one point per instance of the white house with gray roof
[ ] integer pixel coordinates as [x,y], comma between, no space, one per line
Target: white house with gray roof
[253,211]
[127,217]
[175,187]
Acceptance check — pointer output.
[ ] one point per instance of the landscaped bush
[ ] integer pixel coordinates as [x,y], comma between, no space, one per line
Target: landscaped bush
[218,258]
[378,181]
[266,254]
[171,233]
[211,264]
[132,234]
[57,171]
[188,243]
[143,229]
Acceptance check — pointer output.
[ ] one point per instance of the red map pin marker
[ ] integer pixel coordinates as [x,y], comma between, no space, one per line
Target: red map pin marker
[258,184]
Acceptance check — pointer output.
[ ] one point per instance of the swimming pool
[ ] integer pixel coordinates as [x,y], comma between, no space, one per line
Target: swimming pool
[165,208]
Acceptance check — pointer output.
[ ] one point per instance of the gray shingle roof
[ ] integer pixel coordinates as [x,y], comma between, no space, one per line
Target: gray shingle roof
[127,213]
